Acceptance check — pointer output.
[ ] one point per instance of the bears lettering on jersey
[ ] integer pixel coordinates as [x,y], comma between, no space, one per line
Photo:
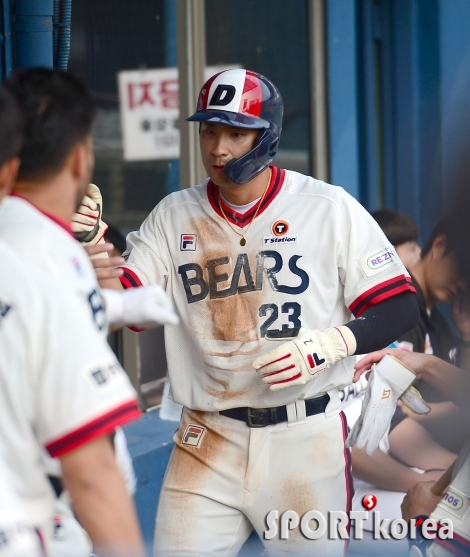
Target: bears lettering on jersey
[197,288]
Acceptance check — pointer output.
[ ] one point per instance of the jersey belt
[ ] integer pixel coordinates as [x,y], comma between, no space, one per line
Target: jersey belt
[261,417]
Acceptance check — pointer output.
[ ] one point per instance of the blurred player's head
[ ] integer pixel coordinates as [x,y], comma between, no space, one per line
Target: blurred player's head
[239,104]
[58,110]
[11,138]
[443,266]
[402,232]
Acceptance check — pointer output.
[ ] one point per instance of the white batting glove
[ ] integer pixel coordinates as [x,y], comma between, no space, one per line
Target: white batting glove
[87,225]
[297,361]
[146,306]
[388,380]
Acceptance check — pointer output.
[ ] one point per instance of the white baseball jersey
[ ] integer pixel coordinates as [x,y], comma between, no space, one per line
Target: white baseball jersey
[313,258]
[60,384]
[49,243]
[18,538]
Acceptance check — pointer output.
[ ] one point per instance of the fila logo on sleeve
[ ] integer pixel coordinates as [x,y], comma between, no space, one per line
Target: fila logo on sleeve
[193,435]
[188,242]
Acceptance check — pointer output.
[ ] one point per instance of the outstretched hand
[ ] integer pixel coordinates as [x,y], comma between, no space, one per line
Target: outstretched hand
[105,267]
[419,500]
[413,360]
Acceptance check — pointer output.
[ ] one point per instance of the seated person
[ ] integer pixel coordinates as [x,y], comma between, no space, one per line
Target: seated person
[410,444]
[454,384]
[437,278]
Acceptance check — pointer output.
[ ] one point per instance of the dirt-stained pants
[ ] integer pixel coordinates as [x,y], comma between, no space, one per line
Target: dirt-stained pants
[223,478]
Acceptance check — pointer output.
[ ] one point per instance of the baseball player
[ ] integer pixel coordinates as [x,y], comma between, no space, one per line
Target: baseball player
[56,165]
[51,351]
[62,391]
[267,268]
[17,535]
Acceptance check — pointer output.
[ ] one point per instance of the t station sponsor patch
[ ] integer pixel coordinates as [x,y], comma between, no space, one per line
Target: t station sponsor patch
[267,240]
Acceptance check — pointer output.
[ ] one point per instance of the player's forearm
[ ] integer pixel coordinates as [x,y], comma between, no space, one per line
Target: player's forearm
[383,323]
[382,470]
[100,500]
[451,381]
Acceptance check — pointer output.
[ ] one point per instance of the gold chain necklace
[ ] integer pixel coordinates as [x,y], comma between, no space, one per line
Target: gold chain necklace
[243,234]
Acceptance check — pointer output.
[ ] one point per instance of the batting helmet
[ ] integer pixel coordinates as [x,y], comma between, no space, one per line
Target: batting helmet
[243,99]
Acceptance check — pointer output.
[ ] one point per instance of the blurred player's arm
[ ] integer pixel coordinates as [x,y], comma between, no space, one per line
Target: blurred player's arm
[382,470]
[100,499]
[106,268]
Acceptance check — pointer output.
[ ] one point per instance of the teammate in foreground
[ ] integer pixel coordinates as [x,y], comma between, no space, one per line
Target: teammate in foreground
[17,535]
[252,255]
[52,351]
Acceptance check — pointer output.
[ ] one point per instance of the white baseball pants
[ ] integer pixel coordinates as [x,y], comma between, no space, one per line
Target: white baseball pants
[223,478]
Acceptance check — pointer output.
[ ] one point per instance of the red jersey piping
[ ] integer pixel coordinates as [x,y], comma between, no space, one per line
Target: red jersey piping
[242,220]
[104,424]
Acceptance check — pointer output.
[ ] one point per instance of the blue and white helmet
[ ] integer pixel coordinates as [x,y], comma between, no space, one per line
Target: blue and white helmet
[243,99]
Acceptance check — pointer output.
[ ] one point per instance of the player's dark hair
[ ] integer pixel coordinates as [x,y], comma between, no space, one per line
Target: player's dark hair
[58,110]
[11,126]
[456,229]
[115,236]
[398,227]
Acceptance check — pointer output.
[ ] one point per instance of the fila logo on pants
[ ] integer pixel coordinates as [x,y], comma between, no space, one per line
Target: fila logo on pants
[193,435]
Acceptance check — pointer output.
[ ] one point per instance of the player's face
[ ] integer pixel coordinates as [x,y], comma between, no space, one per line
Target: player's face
[444,279]
[220,144]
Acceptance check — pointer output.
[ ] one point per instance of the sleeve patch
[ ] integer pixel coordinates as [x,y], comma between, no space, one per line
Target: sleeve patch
[105,375]
[377,261]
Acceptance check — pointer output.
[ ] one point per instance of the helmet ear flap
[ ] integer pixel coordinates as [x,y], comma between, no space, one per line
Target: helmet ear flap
[242,170]
[272,150]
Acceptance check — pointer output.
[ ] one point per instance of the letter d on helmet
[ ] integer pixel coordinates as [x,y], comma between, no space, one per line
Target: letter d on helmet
[243,99]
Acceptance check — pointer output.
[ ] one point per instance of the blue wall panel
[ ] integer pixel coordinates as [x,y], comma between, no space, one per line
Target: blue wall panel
[455,101]
[342,95]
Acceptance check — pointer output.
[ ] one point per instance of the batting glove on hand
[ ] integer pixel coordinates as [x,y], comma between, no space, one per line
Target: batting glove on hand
[87,225]
[388,380]
[297,361]
[147,306]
